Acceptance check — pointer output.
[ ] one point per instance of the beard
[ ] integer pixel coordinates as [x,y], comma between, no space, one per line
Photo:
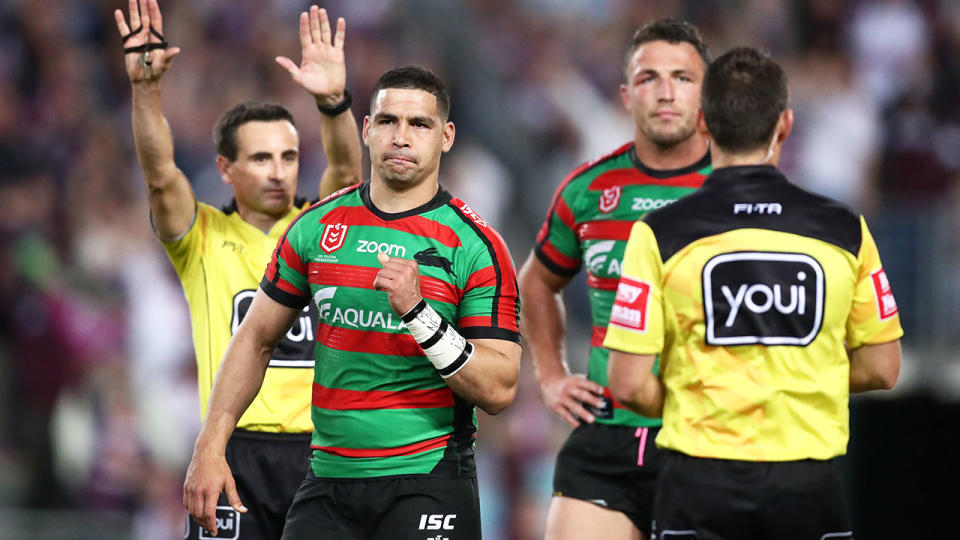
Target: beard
[667,136]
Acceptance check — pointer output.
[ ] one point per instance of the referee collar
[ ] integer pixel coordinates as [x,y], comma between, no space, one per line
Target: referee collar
[745,174]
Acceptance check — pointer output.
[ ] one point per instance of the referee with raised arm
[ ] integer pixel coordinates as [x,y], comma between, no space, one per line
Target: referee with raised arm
[768,306]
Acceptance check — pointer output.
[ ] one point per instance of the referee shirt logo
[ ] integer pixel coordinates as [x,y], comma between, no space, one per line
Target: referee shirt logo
[763,298]
[630,305]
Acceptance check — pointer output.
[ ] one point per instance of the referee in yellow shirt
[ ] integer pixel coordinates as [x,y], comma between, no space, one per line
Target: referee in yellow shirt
[768,305]
[220,254]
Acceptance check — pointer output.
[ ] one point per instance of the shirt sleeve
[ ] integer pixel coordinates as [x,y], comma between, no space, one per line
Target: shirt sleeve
[286,277]
[185,252]
[490,306]
[874,317]
[558,247]
[637,318]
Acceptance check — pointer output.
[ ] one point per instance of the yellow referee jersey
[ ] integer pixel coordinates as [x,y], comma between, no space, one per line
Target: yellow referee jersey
[752,289]
[220,262]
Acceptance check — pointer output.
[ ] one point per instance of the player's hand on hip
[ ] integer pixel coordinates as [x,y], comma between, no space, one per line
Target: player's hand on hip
[322,70]
[401,279]
[207,477]
[146,27]
[566,396]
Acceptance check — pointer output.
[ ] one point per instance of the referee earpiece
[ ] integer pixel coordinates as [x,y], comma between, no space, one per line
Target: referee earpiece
[773,143]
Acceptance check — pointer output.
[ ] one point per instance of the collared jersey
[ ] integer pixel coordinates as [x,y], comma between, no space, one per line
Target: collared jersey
[380,408]
[220,262]
[587,227]
[751,290]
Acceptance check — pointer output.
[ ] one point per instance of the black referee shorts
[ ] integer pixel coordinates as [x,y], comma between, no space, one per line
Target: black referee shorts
[611,466]
[409,507]
[268,468]
[713,499]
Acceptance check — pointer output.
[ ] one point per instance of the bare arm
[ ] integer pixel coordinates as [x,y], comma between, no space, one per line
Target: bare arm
[875,367]
[171,198]
[633,382]
[489,380]
[543,325]
[322,73]
[237,382]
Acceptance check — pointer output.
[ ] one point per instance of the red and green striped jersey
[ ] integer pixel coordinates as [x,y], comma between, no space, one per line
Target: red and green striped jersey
[379,406]
[588,225]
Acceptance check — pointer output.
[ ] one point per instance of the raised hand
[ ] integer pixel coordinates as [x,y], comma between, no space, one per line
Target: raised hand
[145,66]
[322,70]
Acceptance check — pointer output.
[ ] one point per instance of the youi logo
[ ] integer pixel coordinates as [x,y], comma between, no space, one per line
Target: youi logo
[769,298]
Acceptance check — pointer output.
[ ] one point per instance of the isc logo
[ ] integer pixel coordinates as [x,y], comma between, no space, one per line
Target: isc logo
[763,297]
[436,522]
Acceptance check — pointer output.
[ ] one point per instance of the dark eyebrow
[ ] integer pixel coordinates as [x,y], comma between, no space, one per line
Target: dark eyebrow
[291,152]
[259,155]
[426,120]
[384,116]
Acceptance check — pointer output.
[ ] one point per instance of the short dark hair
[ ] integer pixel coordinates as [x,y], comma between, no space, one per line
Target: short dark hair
[743,94]
[225,130]
[670,30]
[418,78]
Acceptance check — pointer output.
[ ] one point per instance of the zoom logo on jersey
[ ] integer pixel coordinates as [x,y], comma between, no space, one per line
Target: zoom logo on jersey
[370,246]
[296,348]
[645,204]
[763,297]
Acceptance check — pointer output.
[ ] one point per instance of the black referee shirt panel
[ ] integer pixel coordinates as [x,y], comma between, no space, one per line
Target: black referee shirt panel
[752,197]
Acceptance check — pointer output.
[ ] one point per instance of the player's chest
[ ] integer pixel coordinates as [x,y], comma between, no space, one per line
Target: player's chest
[627,201]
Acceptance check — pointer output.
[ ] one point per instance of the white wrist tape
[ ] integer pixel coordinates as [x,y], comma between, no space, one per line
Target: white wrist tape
[446,349]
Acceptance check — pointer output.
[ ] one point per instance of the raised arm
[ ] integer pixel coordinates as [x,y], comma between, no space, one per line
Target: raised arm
[237,382]
[323,73]
[172,203]
[543,325]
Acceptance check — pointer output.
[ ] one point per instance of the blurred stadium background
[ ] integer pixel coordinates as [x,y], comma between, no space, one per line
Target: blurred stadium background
[99,406]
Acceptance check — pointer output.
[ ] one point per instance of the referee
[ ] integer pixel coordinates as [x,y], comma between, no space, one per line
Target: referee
[768,306]
[219,255]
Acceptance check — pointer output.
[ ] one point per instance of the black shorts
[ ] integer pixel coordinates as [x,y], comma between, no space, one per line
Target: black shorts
[414,507]
[706,499]
[611,466]
[268,468]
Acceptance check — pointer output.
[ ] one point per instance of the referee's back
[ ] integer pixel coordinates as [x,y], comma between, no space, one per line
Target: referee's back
[766,286]
[768,306]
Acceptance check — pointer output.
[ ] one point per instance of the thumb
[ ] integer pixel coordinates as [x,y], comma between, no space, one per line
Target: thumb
[288,65]
[234,498]
[383,258]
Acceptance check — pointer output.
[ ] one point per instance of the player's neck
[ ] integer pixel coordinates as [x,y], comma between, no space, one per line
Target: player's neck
[393,197]
[678,156]
[730,159]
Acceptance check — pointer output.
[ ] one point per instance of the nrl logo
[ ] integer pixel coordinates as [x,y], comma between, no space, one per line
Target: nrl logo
[333,237]
[610,199]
